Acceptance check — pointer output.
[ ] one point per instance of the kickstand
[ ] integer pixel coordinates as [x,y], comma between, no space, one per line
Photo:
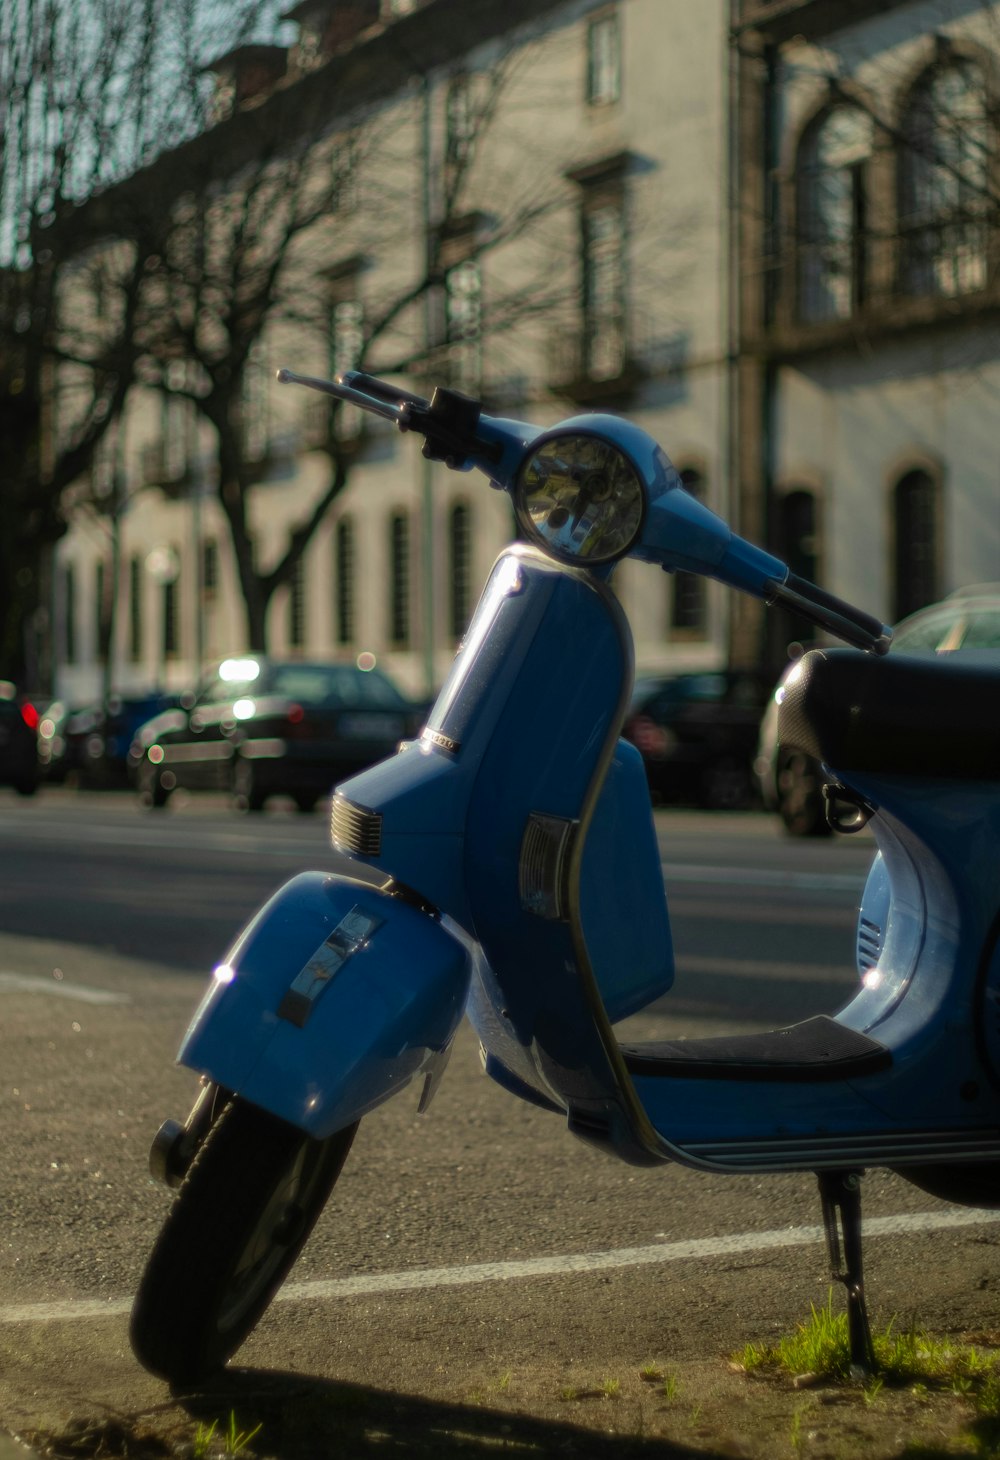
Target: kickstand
[840,1193]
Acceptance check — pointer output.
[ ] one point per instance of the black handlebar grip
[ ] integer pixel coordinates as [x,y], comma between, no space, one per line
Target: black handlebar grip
[842,618]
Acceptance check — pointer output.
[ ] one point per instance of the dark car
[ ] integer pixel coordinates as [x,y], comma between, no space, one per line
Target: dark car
[259,727]
[697,734]
[18,741]
[52,759]
[90,745]
[791,782]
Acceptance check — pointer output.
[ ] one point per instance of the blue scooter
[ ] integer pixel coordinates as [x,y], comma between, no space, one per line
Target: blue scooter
[525,891]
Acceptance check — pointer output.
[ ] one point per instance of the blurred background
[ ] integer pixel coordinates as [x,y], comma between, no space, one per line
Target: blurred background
[767,230]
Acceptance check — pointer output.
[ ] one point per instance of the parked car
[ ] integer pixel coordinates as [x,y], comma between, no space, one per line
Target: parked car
[791,783]
[89,745]
[18,741]
[52,760]
[259,727]
[697,734]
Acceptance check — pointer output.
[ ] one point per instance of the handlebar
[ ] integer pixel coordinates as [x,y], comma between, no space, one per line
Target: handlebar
[456,432]
[448,421]
[831,613]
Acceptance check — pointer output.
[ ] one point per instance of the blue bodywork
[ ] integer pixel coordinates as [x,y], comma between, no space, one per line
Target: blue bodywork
[523,885]
[387,1014]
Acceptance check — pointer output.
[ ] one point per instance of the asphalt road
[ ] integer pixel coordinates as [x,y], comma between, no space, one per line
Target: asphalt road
[109,921]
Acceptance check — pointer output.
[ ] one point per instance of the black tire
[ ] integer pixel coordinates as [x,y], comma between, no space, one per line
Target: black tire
[152,792]
[240,1219]
[727,785]
[800,795]
[247,794]
[305,801]
[966,1186]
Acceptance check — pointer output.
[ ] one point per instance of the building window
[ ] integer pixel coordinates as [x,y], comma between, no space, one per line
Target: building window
[460,576]
[256,404]
[463,325]
[171,627]
[916,542]
[688,601]
[459,123]
[100,609]
[399,580]
[343,578]
[69,613]
[297,606]
[798,544]
[944,184]
[102,469]
[210,567]
[832,182]
[135,609]
[347,341]
[604,76]
[175,424]
[604,283]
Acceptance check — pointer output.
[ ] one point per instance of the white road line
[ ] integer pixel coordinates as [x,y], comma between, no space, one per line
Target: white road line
[852,882]
[25,983]
[766,968]
[175,838]
[558,1265]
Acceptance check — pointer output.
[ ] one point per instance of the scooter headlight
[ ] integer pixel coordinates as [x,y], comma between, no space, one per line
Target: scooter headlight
[580,498]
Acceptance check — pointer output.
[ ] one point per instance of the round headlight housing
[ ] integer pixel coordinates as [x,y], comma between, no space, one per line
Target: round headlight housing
[580,498]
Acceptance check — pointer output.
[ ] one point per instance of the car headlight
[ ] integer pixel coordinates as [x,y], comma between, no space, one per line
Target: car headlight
[580,497]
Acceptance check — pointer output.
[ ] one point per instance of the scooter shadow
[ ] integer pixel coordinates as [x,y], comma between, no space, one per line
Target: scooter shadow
[305,1418]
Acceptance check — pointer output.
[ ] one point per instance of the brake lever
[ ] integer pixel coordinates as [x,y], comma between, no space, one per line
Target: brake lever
[340,389]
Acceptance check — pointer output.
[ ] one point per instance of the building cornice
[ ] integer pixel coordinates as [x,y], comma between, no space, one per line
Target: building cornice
[382,65]
[778,21]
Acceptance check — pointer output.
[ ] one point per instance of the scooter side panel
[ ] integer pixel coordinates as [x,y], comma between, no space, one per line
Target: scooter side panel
[531,999]
[334,997]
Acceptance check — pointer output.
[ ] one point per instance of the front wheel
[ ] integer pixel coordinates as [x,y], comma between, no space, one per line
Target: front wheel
[240,1219]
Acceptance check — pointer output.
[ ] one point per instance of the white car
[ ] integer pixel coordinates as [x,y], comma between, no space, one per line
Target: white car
[791,782]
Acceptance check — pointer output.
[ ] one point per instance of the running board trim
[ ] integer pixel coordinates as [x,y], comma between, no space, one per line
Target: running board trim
[814,1153]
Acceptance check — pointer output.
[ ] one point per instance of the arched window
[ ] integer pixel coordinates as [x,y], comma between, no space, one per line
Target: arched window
[343,581]
[460,567]
[399,580]
[297,606]
[798,546]
[916,542]
[831,186]
[688,603]
[944,183]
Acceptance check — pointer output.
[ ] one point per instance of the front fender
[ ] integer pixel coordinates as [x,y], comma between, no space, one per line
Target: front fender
[333,998]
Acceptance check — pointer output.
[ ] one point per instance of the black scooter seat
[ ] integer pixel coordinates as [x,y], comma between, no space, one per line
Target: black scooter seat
[936,717]
[816,1049]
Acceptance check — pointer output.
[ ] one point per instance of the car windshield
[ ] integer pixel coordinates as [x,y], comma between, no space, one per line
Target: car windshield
[325,685]
[966,625]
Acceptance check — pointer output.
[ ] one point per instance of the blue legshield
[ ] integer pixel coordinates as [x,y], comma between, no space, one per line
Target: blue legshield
[333,998]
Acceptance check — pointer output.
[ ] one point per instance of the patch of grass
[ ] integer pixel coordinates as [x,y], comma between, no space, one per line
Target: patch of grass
[611,1388]
[904,1356]
[211,1440]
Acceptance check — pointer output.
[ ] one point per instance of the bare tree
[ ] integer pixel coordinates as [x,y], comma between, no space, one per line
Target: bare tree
[89,92]
[246,254]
